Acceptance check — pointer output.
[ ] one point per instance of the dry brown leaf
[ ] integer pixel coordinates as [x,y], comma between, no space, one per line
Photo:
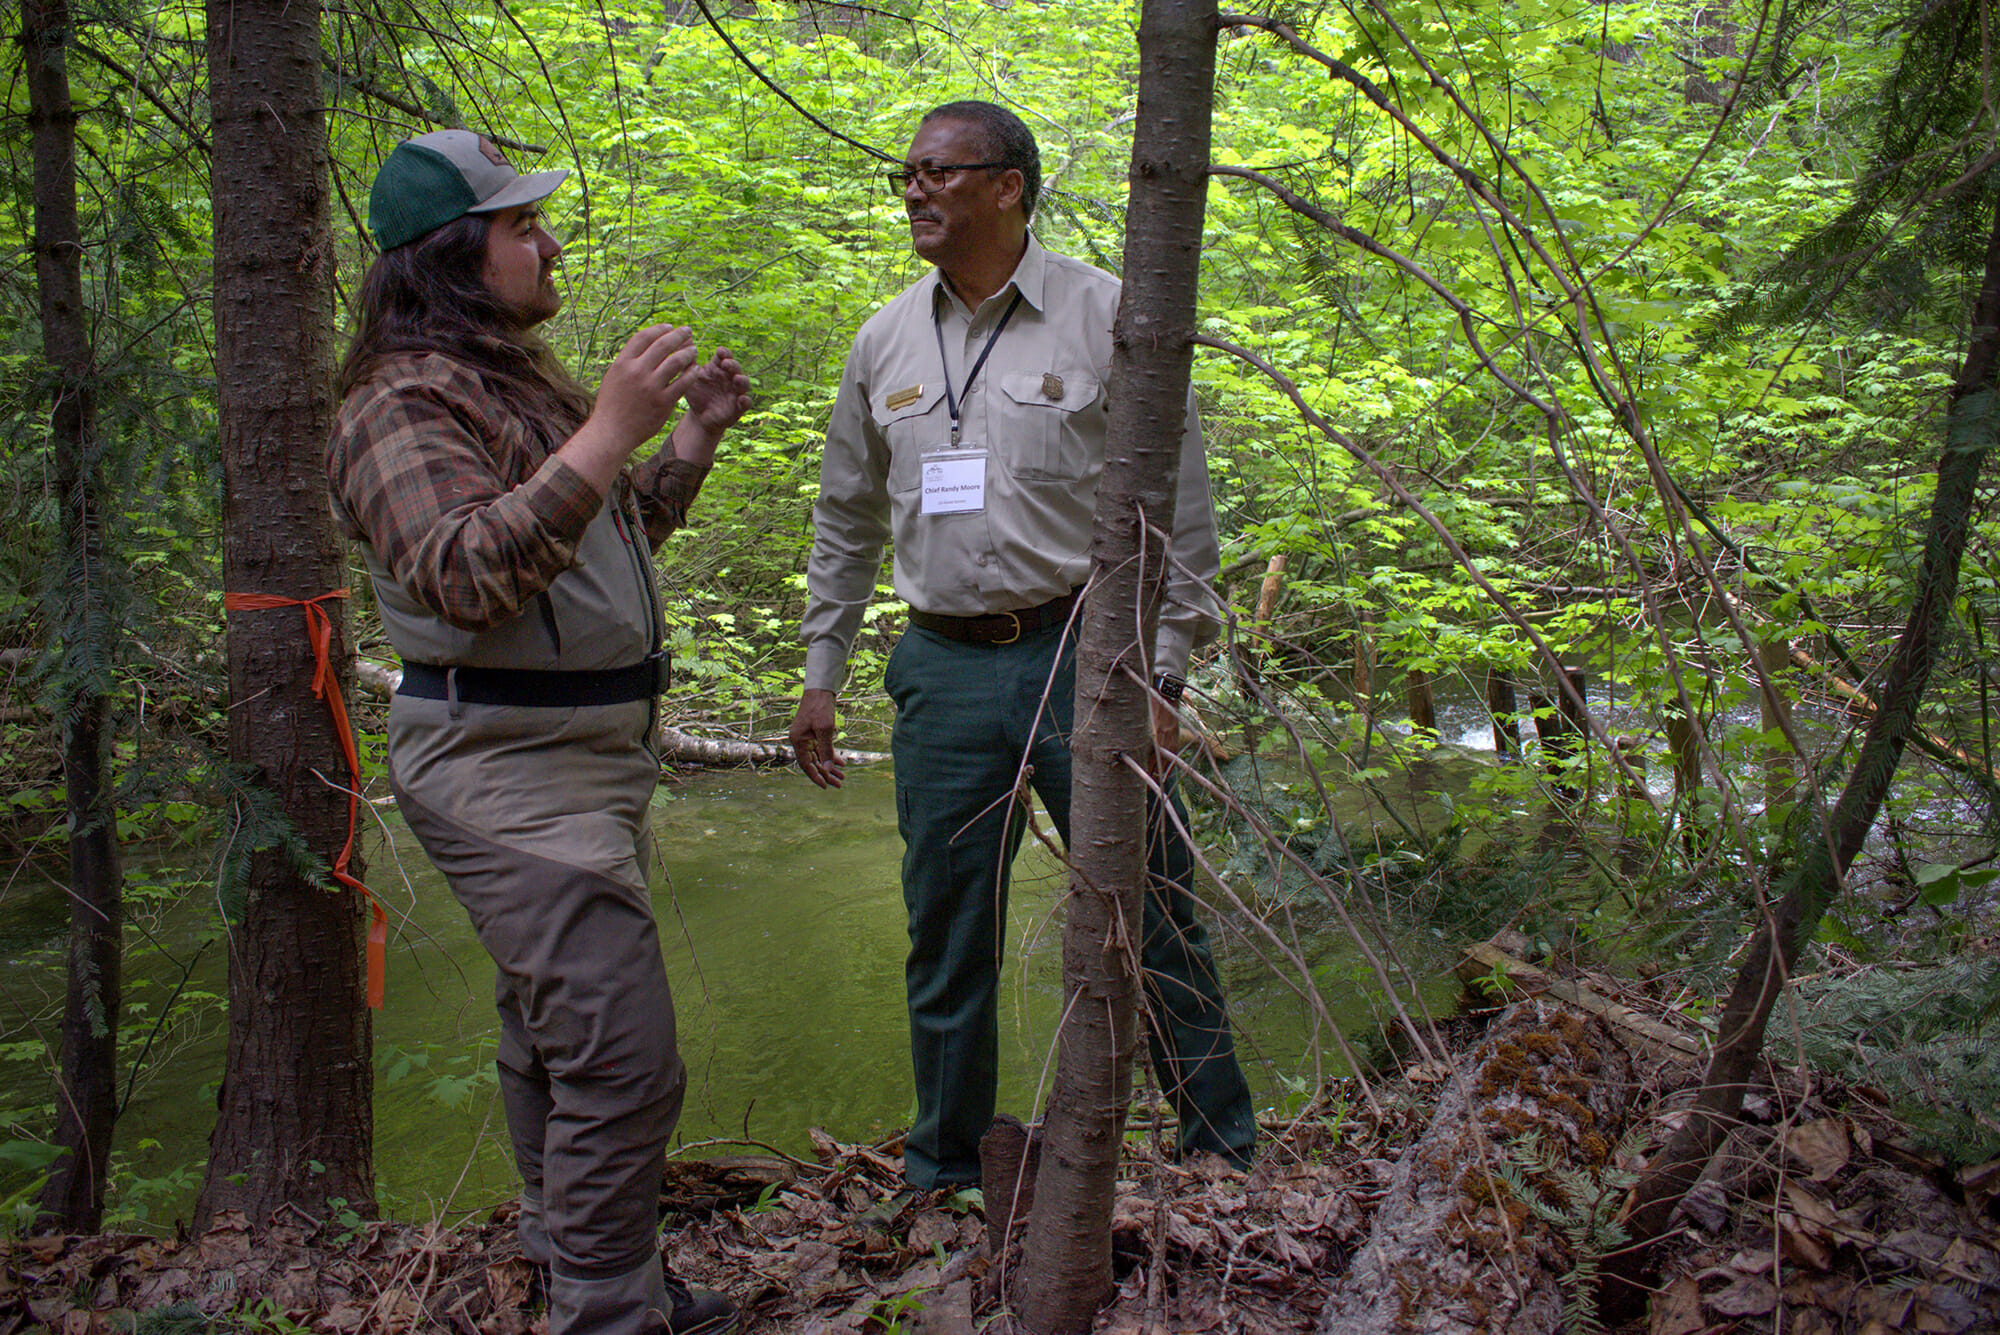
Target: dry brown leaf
[1803,1243]
[510,1282]
[398,1310]
[1888,1307]
[814,1270]
[1810,1207]
[1289,1251]
[1707,1204]
[1943,1309]
[1757,1262]
[1676,1309]
[1752,1295]
[1967,1259]
[1911,1246]
[220,1247]
[931,1228]
[1833,1292]
[1822,1146]
[343,1318]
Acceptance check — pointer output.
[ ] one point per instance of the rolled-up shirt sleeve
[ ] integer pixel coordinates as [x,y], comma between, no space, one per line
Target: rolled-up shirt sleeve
[413,474]
[850,529]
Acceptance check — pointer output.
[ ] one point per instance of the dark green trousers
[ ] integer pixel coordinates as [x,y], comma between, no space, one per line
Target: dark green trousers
[967,715]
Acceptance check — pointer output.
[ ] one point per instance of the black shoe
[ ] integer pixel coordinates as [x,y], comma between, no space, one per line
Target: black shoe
[698,1311]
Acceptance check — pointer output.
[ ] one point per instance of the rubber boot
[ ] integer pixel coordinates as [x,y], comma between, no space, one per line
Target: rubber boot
[641,1300]
[634,1303]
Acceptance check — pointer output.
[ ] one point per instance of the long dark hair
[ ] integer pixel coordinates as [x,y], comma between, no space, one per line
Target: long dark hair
[429,296]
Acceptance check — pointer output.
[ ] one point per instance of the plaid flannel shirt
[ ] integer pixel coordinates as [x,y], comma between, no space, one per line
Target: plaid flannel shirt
[465,502]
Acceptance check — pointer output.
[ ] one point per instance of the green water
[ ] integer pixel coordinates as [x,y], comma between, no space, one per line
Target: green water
[782,919]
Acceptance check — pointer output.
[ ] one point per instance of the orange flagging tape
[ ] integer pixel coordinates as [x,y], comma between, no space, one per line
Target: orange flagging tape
[319,628]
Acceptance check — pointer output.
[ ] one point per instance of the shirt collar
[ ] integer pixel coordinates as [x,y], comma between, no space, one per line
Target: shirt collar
[1030,280]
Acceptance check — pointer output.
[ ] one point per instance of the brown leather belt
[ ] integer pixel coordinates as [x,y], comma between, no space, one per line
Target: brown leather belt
[999,627]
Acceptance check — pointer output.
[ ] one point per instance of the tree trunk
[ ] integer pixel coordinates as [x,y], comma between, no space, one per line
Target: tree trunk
[87,1084]
[1066,1259]
[294,1123]
[1972,427]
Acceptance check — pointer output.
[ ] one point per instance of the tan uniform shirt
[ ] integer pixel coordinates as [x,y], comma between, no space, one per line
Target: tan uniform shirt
[1038,408]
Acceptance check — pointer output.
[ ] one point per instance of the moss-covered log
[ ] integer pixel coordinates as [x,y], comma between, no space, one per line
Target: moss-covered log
[1489,1222]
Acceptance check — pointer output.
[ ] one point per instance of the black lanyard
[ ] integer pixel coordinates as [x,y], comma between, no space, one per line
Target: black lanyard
[951,400]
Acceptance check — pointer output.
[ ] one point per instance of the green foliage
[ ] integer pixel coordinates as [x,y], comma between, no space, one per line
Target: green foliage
[451,1078]
[174,1319]
[1921,123]
[135,1202]
[1603,232]
[1929,1036]
[1584,1204]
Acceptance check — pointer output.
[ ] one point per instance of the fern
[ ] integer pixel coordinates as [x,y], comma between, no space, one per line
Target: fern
[1581,1204]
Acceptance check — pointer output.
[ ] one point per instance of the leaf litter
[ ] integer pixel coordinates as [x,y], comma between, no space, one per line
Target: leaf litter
[1817,1217]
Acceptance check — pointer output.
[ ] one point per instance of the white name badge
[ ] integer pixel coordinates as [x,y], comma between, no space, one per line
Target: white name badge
[954,480]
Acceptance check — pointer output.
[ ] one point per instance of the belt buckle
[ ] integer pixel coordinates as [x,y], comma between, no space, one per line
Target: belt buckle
[1016,619]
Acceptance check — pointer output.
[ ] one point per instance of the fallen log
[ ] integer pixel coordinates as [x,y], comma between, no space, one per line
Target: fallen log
[1486,962]
[1488,1221]
[674,746]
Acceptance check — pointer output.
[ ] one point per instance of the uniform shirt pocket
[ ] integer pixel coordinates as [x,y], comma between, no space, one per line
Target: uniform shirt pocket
[1044,421]
[911,427]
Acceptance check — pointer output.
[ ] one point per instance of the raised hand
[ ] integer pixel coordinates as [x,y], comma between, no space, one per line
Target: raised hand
[717,392]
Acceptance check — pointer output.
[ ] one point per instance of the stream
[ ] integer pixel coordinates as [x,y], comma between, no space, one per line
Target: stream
[781,916]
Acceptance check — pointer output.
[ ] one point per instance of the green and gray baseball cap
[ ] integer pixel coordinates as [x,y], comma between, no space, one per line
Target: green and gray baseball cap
[440,177]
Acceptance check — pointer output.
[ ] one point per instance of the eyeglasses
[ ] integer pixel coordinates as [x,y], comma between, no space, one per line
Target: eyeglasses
[932,177]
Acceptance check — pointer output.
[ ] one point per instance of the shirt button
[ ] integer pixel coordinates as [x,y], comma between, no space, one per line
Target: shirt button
[985,560]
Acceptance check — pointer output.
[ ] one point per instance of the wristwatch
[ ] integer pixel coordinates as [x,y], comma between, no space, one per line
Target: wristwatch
[1170,687]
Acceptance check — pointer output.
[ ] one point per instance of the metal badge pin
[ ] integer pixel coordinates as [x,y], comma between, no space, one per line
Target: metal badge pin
[1052,386]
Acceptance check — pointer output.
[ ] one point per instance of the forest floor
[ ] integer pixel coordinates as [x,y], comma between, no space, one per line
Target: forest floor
[1820,1216]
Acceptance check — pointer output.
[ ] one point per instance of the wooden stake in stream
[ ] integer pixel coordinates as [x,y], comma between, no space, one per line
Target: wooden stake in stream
[1505,708]
[1684,740]
[1559,724]
[1364,675]
[1423,706]
[1267,592]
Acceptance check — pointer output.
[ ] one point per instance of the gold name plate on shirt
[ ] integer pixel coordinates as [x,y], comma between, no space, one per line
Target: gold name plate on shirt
[903,398]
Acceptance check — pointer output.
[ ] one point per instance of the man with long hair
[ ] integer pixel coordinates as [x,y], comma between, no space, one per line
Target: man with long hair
[509,538]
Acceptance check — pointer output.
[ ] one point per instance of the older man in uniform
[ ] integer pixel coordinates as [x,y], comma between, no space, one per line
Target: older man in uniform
[969,427]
